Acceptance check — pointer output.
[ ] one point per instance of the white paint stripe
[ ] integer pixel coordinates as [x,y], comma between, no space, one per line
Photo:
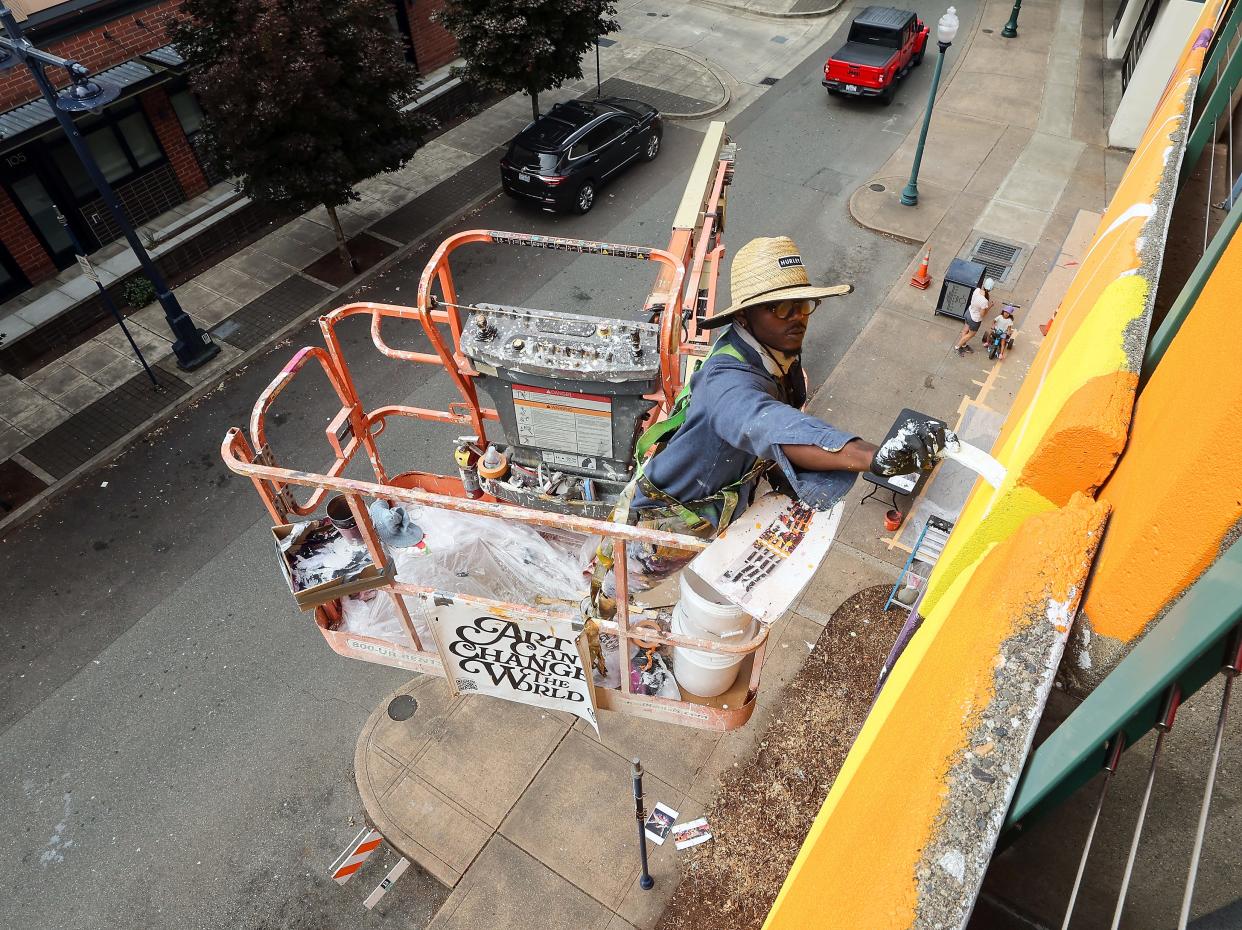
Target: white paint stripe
[389,880]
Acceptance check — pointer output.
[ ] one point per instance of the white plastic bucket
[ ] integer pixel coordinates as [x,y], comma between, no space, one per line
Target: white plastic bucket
[706,674]
[706,609]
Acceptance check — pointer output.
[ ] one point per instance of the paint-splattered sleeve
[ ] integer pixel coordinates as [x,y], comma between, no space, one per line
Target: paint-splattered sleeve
[745,415]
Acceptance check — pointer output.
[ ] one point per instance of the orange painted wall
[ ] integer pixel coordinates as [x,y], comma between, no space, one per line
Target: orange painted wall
[858,866]
[1177,492]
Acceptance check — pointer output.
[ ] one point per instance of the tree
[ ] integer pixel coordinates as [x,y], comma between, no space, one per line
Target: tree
[301,98]
[526,45]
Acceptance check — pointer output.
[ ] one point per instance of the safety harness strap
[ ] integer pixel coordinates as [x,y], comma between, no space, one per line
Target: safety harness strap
[660,432]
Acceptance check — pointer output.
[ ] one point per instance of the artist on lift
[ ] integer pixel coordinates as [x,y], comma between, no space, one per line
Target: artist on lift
[745,420]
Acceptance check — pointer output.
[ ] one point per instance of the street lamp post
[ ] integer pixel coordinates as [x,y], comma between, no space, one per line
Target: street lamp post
[946,31]
[1011,28]
[193,347]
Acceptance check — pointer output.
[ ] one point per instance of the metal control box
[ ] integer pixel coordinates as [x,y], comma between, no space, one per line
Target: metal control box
[568,387]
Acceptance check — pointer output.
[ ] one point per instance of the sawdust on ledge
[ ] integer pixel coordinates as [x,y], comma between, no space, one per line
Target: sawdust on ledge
[766,804]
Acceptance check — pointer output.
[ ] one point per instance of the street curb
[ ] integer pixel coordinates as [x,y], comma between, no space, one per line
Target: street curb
[900,237]
[952,75]
[31,508]
[765,14]
[724,88]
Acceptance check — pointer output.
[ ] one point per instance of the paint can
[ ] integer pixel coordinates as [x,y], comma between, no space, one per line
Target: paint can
[892,520]
[706,674]
[467,459]
[707,611]
[343,518]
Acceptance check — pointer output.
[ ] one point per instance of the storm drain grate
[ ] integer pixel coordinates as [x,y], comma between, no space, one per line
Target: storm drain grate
[997,257]
[769,81]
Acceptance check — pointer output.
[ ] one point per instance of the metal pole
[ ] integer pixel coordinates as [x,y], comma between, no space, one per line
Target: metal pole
[193,347]
[645,881]
[1163,726]
[1114,756]
[1011,28]
[1231,672]
[599,89]
[910,196]
[107,300]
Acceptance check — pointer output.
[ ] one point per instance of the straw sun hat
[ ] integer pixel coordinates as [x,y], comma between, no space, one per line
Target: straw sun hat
[767,270]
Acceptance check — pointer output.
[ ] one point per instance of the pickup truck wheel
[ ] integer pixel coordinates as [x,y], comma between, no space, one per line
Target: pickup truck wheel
[887,97]
[917,60]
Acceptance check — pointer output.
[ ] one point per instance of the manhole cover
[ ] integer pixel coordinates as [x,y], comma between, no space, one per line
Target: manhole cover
[402,707]
[878,188]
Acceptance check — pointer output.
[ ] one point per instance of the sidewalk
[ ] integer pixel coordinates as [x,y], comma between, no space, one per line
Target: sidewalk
[1016,153]
[73,414]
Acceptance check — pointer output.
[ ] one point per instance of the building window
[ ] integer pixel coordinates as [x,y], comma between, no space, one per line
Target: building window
[189,113]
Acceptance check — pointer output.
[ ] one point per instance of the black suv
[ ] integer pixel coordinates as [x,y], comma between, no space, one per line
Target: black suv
[560,160]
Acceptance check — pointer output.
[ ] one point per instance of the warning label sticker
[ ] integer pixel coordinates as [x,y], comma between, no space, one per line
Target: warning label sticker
[563,420]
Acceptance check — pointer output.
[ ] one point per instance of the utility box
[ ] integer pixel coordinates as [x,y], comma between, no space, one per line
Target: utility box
[960,282]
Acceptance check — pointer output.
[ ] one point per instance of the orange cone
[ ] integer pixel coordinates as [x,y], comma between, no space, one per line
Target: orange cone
[922,279]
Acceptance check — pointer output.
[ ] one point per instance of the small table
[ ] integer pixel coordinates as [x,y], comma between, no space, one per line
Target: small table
[907,485]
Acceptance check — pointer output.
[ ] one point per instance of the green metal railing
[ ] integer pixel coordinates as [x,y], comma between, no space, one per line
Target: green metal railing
[1194,642]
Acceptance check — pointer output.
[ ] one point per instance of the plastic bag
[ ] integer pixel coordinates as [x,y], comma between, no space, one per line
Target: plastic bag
[657,681]
[465,554]
[378,616]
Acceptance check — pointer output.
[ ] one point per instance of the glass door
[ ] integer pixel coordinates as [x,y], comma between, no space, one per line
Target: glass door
[12,281]
[31,195]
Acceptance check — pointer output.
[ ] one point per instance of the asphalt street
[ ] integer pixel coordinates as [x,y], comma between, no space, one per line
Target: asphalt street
[176,740]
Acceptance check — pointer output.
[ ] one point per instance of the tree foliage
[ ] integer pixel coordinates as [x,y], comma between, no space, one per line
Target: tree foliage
[526,45]
[301,98]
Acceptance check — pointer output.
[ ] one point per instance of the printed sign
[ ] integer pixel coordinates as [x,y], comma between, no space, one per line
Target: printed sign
[764,560]
[538,662]
[563,420]
[88,269]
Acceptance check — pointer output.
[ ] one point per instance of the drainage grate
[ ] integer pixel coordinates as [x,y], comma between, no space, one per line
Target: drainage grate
[997,257]
[769,81]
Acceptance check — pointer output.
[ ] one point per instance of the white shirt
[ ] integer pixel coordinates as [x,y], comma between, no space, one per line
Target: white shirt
[979,305]
[1003,323]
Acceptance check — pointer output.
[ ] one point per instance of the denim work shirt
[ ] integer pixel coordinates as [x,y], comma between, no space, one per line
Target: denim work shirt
[739,413]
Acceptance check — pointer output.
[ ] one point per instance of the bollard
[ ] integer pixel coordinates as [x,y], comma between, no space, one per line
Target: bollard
[645,881]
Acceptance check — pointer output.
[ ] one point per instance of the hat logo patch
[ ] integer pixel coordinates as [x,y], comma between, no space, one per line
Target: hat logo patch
[790,261]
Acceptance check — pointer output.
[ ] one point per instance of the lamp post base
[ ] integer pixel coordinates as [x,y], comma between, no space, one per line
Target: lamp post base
[1010,31]
[910,196]
[194,354]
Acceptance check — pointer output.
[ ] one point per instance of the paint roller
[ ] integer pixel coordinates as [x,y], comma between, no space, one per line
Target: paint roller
[978,461]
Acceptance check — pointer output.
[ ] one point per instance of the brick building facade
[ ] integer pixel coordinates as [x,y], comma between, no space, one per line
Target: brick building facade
[433,46]
[144,142]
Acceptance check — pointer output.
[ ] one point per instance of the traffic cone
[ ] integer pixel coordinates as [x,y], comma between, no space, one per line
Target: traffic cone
[1044,327]
[922,279]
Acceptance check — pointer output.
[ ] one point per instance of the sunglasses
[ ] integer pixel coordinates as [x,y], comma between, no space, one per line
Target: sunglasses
[788,309]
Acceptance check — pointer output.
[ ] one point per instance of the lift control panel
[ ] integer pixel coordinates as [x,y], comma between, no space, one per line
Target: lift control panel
[566,346]
[569,388]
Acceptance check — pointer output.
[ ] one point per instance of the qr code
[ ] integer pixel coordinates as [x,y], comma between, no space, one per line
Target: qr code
[466,684]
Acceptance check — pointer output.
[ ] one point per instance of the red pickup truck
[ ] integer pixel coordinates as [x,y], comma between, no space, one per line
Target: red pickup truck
[883,45]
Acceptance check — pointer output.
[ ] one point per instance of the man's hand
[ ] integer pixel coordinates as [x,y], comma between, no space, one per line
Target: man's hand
[918,446]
